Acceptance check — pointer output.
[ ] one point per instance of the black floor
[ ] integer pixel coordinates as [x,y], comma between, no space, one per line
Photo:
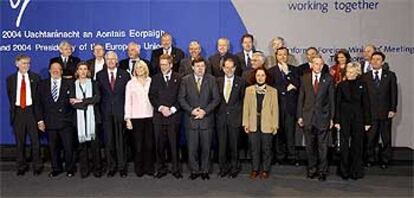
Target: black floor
[285,181]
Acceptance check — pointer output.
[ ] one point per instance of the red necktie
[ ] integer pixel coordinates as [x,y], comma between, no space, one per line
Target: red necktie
[23,93]
[316,84]
[112,81]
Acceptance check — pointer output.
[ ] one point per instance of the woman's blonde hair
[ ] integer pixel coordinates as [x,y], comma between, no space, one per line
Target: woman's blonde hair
[138,64]
[355,66]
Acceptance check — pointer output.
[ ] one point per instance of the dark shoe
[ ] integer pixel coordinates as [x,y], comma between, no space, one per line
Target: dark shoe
[233,174]
[264,175]
[311,175]
[223,173]
[20,172]
[294,162]
[70,174]
[193,176]
[37,172]
[254,174]
[160,175]
[384,166]
[123,173]
[322,177]
[111,173]
[369,164]
[178,175]
[205,176]
[84,175]
[54,174]
[97,174]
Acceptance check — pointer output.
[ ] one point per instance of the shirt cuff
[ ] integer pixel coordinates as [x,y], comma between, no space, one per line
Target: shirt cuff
[173,109]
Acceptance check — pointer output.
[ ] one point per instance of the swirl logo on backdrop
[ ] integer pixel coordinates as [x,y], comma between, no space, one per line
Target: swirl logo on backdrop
[15,5]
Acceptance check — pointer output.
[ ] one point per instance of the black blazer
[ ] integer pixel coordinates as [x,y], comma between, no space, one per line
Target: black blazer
[383,98]
[124,64]
[216,69]
[352,102]
[94,100]
[11,91]
[208,99]
[59,114]
[231,112]
[91,64]
[305,68]
[288,100]
[385,66]
[242,61]
[70,68]
[161,94]
[112,102]
[316,109]
[176,53]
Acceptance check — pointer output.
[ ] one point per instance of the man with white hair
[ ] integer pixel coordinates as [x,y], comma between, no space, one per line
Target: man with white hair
[186,66]
[127,64]
[66,59]
[217,60]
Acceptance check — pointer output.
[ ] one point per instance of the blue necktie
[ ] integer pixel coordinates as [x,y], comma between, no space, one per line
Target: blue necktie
[377,79]
[55,90]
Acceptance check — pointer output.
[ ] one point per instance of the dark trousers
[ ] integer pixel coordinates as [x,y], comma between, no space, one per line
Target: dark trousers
[143,138]
[380,128]
[166,143]
[317,150]
[89,152]
[199,139]
[228,140]
[57,139]
[114,137]
[24,123]
[285,138]
[261,149]
[351,138]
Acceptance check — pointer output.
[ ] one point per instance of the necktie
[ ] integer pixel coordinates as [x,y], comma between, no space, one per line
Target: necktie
[65,61]
[316,84]
[227,90]
[55,90]
[369,68]
[248,64]
[133,67]
[198,84]
[112,82]
[166,80]
[376,79]
[221,62]
[23,93]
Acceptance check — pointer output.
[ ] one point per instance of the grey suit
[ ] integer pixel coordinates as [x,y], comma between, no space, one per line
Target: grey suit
[199,131]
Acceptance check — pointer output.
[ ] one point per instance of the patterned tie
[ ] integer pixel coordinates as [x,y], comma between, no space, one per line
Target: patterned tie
[198,84]
[112,81]
[55,90]
[377,79]
[23,93]
[227,90]
[316,84]
[369,68]
[248,64]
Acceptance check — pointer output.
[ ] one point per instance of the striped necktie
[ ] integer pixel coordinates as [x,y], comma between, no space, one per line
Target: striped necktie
[55,90]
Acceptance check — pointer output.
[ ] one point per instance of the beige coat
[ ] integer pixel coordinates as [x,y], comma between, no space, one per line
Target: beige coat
[270,110]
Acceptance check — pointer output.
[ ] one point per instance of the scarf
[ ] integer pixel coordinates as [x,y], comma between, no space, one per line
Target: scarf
[85,117]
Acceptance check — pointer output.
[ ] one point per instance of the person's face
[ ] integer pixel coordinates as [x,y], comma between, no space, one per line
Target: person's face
[317,64]
[166,42]
[55,71]
[66,50]
[82,71]
[277,43]
[98,51]
[376,62]
[165,66]
[310,54]
[139,70]
[133,51]
[256,62]
[199,68]
[282,56]
[260,77]
[23,65]
[222,46]
[194,50]
[229,68]
[111,61]
[247,44]
[368,52]
[341,59]
[351,74]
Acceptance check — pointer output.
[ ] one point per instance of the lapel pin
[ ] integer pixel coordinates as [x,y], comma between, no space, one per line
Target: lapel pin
[360,86]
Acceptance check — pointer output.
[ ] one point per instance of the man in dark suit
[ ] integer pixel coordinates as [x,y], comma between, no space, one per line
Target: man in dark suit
[383,95]
[307,67]
[22,88]
[217,60]
[186,67]
[316,110]
[128,64]
[97,63]
[198,97]
[286,80]
[163,96]
[66,59]
[112,82]
[166,48]
[228,119]
[366,63]
[244,57]
[55,116]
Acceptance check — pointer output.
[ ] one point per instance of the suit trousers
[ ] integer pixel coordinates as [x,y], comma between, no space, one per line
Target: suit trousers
[228,140]
[285,138]
[89,150]
[114,138]
[380,129]
[261,150]
[143,141]
[64,137]
[166,141]
[199,139]
[352,139]
[317,149]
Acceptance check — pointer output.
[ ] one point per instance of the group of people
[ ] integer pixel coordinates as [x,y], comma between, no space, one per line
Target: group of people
[244,101]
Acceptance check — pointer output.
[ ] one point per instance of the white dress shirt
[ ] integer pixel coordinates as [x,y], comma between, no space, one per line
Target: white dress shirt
[379,73]
[99,64]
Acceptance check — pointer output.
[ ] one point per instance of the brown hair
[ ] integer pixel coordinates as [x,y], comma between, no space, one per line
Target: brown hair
[88,75]
[252,77]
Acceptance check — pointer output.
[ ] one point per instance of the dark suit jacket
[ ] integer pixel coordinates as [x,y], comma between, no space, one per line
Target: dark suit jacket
[176,53]
[112,102]
[70,68]
[231,112]
[216,69]
[186,67]
[316,109]
[385,66]
[305,68]
[94,100]
[11,91]
[91,64]
[352,102]
[161,94]
[287,99]
[383,98]
[59,114]
[208,99]
[242,61]
[124,64]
